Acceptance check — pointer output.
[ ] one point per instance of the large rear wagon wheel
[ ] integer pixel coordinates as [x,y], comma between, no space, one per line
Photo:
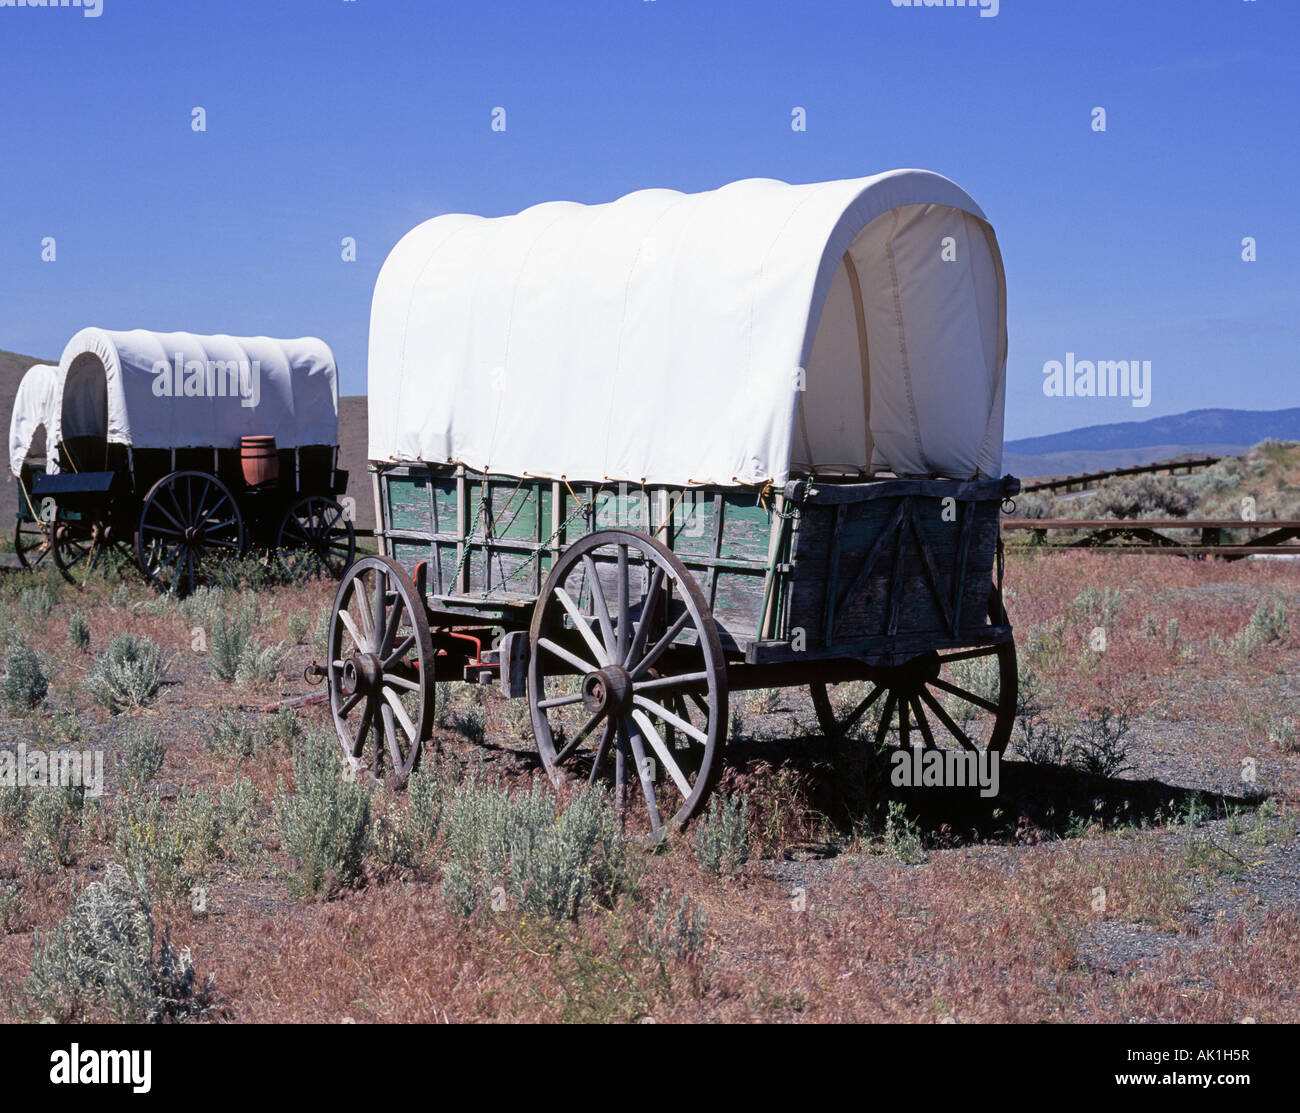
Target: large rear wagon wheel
[380,675]
[316,538]
[627,684]
[963,697]
[188,518]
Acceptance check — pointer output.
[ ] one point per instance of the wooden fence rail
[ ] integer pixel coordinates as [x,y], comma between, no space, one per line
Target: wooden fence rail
[1151,535]
[1086,480]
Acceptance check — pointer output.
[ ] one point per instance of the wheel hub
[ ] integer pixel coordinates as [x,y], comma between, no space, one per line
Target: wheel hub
[361,673]
[608,690]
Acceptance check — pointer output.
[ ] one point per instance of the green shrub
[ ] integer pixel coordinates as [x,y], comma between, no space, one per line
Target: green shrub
[1283,734]
[1102,746]
[1267,625]
[24,684]
[140,759]
[259,664]
[1142,496]
[669,934]
[470,722]
[903,836]
[229,634]
[104,961]
[299,626]
[404,836]
[128,674]
[78,632]
[722,837]
[11,908]
[13,807]
[151,844]
[1104,606]
[53,815]
[324,822]
[236,735]
[233,736]
[551,862]
[35,605]
[1173,636]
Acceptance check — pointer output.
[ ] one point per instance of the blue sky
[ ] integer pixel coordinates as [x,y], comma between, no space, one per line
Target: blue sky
[362,118]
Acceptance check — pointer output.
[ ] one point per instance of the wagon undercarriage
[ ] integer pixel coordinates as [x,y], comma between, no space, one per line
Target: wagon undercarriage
[627,655]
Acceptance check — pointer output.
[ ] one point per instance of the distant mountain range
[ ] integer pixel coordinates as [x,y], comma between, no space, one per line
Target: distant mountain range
[1125,443]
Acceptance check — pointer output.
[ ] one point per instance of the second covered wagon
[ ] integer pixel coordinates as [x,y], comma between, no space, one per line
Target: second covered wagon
[629,457]
[181,449]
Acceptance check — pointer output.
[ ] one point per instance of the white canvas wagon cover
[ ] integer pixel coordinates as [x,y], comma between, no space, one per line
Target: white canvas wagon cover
[177,390]
[732,336]
[34,406]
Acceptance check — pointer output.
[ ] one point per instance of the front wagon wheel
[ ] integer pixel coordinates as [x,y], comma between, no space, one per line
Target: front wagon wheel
[188,519]
[380,675]
[627,685]
[965,697]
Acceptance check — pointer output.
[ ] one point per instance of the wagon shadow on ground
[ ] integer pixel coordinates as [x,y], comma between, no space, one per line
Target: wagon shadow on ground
[849,787]
[817,797]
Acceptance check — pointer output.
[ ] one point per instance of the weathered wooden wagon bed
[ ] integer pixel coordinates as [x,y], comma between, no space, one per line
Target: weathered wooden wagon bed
[660,526]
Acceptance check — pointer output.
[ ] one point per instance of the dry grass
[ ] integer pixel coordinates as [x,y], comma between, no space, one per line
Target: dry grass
[1001,925]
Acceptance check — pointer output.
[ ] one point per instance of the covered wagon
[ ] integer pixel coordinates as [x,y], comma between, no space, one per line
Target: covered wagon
[629,457]
[29,425]
[180,449]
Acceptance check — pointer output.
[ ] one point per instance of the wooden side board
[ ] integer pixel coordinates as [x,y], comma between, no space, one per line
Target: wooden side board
[828,565]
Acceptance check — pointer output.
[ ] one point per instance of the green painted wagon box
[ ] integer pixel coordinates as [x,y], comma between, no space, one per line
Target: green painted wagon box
[826,566]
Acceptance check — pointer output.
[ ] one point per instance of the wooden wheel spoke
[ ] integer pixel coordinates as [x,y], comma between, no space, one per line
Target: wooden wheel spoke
[923,723]
[623,596]
[962,693]
[393,680]
[559,701]
[602,751]
[582,626]
[667,716]
[599,602]
[564,655]
[350,624]
[671,683]
[395,616]
[394,702]
[399,651]
[647,616]
[578,738]
[661,646]
[643,771]
[367,616]
[967,654]
[862,709]
[946,719]
[661,751]
[886,719]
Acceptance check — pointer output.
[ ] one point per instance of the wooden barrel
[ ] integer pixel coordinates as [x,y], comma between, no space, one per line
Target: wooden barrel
[260,461]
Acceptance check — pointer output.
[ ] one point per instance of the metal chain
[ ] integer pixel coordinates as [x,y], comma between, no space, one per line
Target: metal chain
[583,508]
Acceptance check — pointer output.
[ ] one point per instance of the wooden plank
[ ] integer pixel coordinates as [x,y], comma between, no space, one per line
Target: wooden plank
[764,652]
[869,561]
[981,490]
[833,570]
